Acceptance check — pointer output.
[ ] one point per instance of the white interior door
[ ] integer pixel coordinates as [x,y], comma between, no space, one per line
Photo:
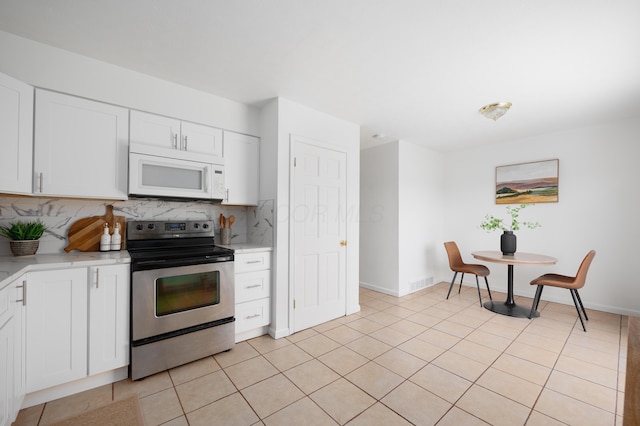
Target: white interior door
[319,233]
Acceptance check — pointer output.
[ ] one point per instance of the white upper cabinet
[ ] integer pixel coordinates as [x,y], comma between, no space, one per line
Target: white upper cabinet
[80,147]
[241,156]
[201,139]
[154,130]
[165,132]
[16,128]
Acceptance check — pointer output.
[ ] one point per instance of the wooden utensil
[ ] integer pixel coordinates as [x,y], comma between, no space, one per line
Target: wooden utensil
[84,234]
[232,219]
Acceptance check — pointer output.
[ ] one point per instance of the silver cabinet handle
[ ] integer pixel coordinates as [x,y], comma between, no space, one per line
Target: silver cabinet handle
[24,293]
[175,141]
[252,316]
[253,286]
[41,181]
[253,261]
[97,277]
[226,196]
[185,143]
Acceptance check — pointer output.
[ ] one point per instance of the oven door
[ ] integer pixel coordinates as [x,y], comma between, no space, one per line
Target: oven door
[171,299]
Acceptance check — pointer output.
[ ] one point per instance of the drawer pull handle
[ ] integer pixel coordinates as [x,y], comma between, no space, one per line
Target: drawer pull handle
[253,316]
[253,261]
[253,286]
[24,293]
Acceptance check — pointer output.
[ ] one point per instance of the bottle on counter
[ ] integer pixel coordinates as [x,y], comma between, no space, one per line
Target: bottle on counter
[105,239]
[116,238]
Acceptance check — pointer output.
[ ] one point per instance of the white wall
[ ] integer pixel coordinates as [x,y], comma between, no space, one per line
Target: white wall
[379,209]
[295,119]
[48,67]
[401,217]
[421,216]
[598,209]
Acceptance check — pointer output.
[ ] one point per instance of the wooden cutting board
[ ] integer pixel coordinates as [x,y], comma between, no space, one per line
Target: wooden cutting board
[84,234]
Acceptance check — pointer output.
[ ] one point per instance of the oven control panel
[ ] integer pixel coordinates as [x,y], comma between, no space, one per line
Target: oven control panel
[153,229]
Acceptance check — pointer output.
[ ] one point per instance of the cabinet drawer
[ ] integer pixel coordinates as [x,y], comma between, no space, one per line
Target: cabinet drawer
[253,285]
[250,315]
[248,262]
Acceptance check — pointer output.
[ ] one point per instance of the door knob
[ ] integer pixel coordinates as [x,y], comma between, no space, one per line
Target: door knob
[343,243]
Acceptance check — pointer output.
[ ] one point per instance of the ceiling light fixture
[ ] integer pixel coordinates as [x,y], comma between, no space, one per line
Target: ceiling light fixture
[496,110]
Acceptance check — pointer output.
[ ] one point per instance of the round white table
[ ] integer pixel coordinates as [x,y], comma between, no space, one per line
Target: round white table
[509,307]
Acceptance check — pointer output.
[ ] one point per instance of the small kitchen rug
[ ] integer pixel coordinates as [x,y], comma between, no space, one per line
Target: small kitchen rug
[123,412]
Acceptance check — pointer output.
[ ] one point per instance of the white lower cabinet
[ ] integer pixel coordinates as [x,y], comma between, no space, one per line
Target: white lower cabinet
[12,367]
[77,323]
[6,356]
[253,294]
[56,327]
[108,318]
[19,345]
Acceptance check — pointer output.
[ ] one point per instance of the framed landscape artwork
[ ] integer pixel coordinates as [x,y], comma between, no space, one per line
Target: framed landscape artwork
[535,182]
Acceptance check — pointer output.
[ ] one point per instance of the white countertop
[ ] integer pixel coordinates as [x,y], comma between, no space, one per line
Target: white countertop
[246,247]
[12,267]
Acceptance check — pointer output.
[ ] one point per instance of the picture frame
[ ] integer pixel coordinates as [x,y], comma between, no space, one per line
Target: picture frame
[534,182]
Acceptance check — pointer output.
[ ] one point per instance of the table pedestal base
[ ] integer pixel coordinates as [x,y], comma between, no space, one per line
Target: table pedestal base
[511,310]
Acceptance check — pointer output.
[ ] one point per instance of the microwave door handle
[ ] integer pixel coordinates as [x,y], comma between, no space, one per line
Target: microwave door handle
[205,176]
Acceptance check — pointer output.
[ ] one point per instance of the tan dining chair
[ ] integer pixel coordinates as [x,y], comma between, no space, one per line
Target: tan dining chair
[457,265]
[564,281]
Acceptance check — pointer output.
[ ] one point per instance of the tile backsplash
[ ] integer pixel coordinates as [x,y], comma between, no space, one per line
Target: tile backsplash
[253,224]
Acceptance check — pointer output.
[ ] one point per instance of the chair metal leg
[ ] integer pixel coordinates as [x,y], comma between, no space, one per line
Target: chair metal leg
[461,278]
[536,301]
[455,274]
[575,302]
[581,305]
[487,283]
[479,295]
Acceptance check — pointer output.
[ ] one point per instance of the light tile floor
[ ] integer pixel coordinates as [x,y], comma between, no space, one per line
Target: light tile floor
[419,359]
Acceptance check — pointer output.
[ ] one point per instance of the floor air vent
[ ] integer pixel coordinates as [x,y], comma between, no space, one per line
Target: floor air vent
[425,282]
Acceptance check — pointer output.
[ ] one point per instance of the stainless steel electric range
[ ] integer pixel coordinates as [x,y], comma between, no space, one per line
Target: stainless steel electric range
[182,294]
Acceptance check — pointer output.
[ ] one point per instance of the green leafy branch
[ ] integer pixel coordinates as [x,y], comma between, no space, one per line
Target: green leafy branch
[491,223]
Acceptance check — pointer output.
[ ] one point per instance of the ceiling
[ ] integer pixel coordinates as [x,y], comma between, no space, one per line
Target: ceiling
[412,70]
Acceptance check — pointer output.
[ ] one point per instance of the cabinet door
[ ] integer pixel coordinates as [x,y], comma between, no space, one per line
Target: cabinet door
[108,318]
[19,347]
[6,355]
[80,147]
[56,314]
[156,130]
[16,128]
[241,156]
[198,138]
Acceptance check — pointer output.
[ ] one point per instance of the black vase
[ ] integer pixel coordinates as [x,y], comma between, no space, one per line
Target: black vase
[508,243]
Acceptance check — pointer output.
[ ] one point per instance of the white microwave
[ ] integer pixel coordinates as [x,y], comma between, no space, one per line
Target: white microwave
[156,172]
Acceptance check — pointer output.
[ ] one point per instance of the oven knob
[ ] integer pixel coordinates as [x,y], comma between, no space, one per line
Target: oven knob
[196,226]
[139,227]
[205,225]
[151,226]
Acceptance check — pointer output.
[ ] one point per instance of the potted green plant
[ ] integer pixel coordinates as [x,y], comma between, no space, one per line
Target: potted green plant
[23,236]
[508,238]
